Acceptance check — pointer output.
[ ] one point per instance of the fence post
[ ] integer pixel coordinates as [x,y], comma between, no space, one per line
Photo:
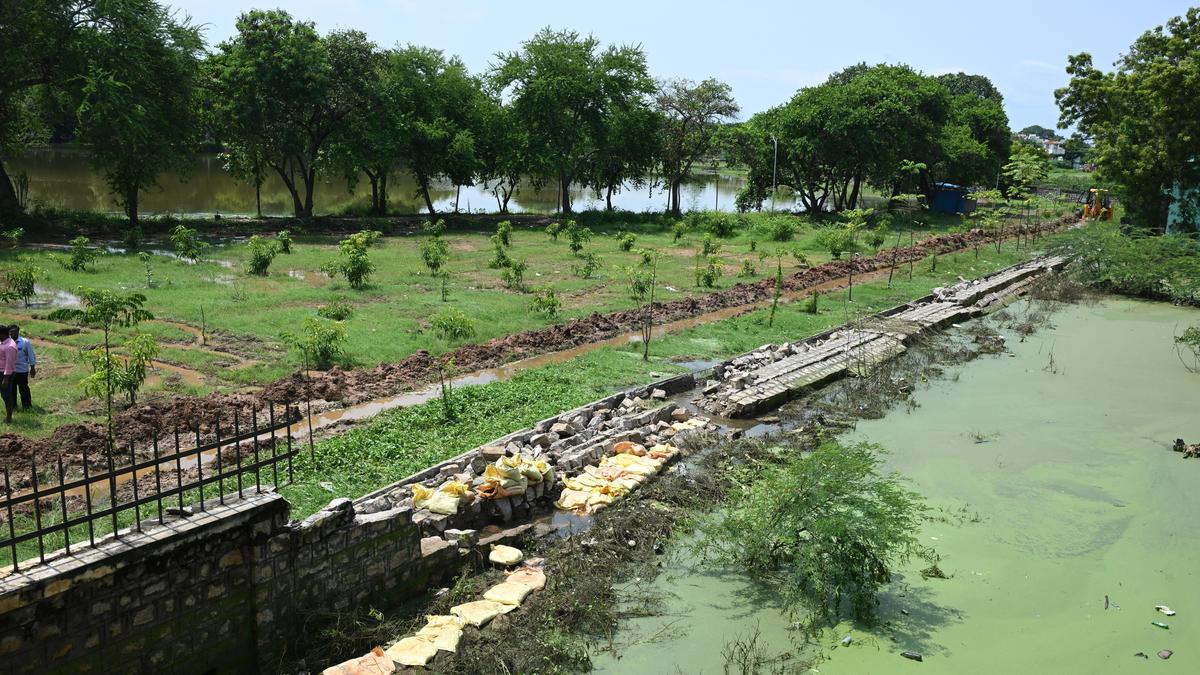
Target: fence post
[12,532]
[37,508]
[63,495]
[137,506]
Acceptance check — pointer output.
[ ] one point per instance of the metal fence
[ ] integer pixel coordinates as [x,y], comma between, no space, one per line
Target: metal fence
[139,485]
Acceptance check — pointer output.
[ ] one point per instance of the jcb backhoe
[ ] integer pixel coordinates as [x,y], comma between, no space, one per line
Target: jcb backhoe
[1095,204]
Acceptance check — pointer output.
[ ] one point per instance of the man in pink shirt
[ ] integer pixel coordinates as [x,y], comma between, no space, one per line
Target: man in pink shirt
[8,366]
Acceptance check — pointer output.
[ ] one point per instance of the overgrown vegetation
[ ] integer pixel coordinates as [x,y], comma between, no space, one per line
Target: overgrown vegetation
[354,265]
[452,324]
[81,257]
[188,245]
[320,342]
[1164,267]
[262,252]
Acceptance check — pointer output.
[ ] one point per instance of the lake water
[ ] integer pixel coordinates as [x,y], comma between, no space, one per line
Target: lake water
[63,178]
[1074,496]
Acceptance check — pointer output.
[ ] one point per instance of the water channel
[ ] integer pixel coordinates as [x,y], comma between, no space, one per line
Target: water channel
[63,178]
[1051,475]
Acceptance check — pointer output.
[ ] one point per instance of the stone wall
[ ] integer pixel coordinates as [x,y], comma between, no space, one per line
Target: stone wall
[239,588]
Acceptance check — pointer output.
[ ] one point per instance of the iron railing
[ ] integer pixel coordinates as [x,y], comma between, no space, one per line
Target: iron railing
[139,486]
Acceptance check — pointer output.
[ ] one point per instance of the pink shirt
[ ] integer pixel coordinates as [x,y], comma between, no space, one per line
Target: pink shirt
[8,356]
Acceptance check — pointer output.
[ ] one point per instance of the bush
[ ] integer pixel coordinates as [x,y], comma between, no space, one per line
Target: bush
[747,268]
[20,282]
[781,228]
[678,231]
[780,527]
[1165,267]
[591,263]
[338,309]
[709,246]
[452,325]
[626,241]
[708,270]
[320,342]
[370,237]
[554,229]
[504,232]
[262,253]
[500,257]
[14,236]
[284,237]
[132,238]
[513,276]
[577,236]
[721,225]
[354,265]
[640,282]
[82,256]
[835,239]
[434,229]
[647,256]
[546,302]
[810,305]
[147,263]
[187,245]
[435,252]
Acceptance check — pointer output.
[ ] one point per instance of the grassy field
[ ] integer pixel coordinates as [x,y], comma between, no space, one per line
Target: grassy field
[220,327]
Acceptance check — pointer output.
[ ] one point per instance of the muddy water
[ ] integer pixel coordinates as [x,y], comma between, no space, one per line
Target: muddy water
[1073,496]
[63,178]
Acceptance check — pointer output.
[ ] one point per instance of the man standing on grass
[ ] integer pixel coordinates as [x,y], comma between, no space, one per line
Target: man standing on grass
[25,369]
[8,366]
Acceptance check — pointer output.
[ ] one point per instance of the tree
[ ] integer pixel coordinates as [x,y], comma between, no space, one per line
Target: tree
[1041,132]
[53,47]
[136,109]
[502,150]
[106,310]
[1076,147]
[281,91]
[370,143]
[962,84]
[1141,118]
[691,116]
[825,528]
[438,106]
[562,88]
[626,150]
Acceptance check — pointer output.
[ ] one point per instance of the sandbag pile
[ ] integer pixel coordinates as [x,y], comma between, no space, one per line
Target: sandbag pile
[631,464]
[443,632]
[506,477]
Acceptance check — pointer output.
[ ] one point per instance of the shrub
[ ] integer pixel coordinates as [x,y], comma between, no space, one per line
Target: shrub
[514,275]
[708,270]
[354,265]
[709,246]
[187,245]
[781,228]
[640,283]
[319,343]
[747,269]
[147,263]
[434,253]
[504,232]
[82,256]
[678,231]
[370,237]
[262,252]
[14,236]
[546,302]
[722,225]
[1187,347]
[647,256]
[810,305]
[626,241]
[835,239]
[500,257]
[577,236]
[284,237]
[554,229]
[338,309]
[753,245]
[591,263]
[434,229]
[452,324]
[20,282]
[133,238]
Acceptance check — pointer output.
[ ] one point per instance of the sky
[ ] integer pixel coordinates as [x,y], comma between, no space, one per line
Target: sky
[765,50]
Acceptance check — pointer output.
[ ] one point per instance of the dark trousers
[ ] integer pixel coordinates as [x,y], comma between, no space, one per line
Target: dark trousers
[9,393]
[21,384]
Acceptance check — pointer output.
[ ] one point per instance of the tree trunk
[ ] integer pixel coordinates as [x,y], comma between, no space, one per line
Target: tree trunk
[457,196]
[258,195]
[310,181]
[8,196]
[565,186]
[290,184]
[131,205]
[423,183]
[675,197]
[508,193]
[854,192]
[608,199]
[374,192]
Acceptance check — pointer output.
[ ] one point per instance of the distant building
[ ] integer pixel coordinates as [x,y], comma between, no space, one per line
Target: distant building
[1053,148]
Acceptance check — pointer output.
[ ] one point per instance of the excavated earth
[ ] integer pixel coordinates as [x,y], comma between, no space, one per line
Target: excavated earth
[141,424]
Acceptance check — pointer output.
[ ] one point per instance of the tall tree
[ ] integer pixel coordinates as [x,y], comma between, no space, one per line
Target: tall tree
[281,89]
[979,86]
[502,150]
[438,106]
[562,88]
[1143,120]
[691,115]
[627,148]
[370,143]
[136,109]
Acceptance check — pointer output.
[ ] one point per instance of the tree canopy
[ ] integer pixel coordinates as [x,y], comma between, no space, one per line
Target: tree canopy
[1143,120]
[691,117]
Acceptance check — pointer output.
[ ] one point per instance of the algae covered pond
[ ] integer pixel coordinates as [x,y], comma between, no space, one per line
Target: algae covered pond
[1053,488]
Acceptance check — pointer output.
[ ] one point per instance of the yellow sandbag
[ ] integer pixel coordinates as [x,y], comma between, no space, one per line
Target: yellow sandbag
[585,482]
[377,662]
[600,498]
[479,612]
[507,593]
[604,472]
[546,470]
[444,637]
[630,460]
[412,651]
[455,487]
[505,555]
[437,620]
[663,451]
[629,448]
[535,579]
[530,471]
[435,501]
[509,480]
[572,500]
[626,483]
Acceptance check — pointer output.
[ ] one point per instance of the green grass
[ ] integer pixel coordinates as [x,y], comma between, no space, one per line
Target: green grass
[247,314]
[397,444]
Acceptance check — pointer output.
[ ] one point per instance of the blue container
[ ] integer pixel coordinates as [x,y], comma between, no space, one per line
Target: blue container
[950,198]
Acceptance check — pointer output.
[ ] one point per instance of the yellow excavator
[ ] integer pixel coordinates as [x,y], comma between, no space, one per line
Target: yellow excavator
[1095,204]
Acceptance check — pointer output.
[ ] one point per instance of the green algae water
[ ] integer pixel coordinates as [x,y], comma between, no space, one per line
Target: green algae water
[1054,491]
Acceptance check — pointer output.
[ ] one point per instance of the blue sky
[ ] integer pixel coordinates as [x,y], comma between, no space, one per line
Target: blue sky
[764,49]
